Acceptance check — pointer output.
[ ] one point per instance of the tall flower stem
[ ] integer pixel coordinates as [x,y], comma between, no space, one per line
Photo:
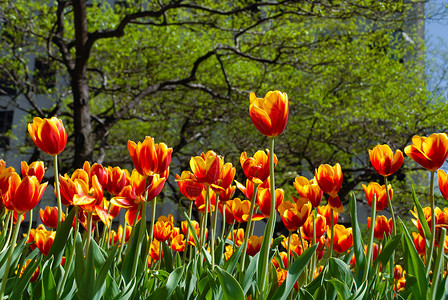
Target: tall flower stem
[288,255]
[332,232]
[187,236]
[314,257]
[153,218]
[204,222]
[390,206]
[9,222]
[214,215]
[11,250]
[58,192]
[72,255]
[30,224]
[269,231]
[249,223]
[370,245]
[89,232]
[123,239]
[223,229]
[433,225]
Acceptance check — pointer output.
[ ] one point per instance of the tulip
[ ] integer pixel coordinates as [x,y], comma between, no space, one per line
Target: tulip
[294,214]
[326,212]
[162,230]
[282,257]
[296,244]
[25,265]
[380,191]
[44,239]
[117,180]
[201,201]
[281,275]
[398,272]
[206,167]
[254,245]
[36,168]
[419,242]
[256,168]
[188,186]
[307,228]
[429,152]
[178,243]
[237,236]
[96,170]
[264,200]
[186,231]
[329,180]
[240,210]
[5,173]
[225,177]
[309,189]
[26,193]
[155,250]
[149,157]
[228,252]
[443,183]
[49,216]
[382,227]
[343,238]
[48,134]
[269,114]
[384,161]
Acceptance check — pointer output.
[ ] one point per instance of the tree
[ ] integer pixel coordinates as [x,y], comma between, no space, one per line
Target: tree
[181,71]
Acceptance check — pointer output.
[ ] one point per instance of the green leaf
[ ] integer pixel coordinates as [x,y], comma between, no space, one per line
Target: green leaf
[341,288]
[360,292]
[167,257]
[339,270]
[420,214]
[166,291]
[61,239]
[48,283]
[294,272]
[413,262]
[100,284]
[23,281]
[358,244]
[131,252]
[388,251]
[230,287]
[126,293]
[249,273]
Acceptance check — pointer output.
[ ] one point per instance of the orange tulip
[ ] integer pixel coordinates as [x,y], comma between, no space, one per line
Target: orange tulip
[296,245]
[44,239]
[380,191]
[184,226]
[309,189]
[225,177]
[281,275]
[326,212]
[264,200]
[329,180]
[343,238]
[26,193]
[149,157]
[382,227]
[117,180]
[283,258]
[188,185]
[429,152]
[25,265]
[269,114]
[294,214]
[206,167]
[240,210]
[200,201]
[398,272]
[237,236]
[5,173]
[49,216]
[307,228]
[229,218]
[443,183]
[228,252]
[178,243]
[256,168]
[162,230]
[254,244]
[154,250]
[249,188]
[36,168]
[227,194]
[384,161]
[419,242]
[96,170]
[48,134]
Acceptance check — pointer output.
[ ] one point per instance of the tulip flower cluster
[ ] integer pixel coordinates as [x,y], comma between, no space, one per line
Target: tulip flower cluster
[196,257]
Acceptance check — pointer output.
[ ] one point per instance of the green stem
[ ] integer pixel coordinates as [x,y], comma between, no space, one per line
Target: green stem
[440,256]
[10,252]
[140,234]
[89,232]
[314,257]
[249,222]
[288,255]
[332,232]
[9,222]
[214,215]
[123,238]
[153,219]
[58,192]
[205,215]
[271,222]
[433,225]
[30,224]
[223,229]
[187,238]
[72,255]
[369,246]
[390,206]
